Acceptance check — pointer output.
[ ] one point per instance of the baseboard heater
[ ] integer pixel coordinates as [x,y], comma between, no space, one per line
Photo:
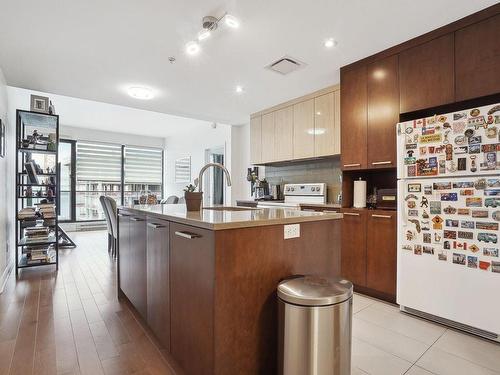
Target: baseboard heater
[463,327]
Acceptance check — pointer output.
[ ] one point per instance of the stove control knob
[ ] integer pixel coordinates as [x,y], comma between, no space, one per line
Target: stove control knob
[288,188]
[293,189]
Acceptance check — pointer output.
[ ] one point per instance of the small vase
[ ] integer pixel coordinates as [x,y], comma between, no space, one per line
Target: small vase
[193,200]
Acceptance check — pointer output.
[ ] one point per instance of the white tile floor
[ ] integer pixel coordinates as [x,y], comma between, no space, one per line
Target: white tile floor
[387,341]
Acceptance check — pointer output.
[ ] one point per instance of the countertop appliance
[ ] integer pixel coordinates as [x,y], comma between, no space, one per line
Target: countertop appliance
[448,219]
[297,194]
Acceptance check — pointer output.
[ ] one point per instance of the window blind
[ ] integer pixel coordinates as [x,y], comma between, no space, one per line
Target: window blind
[98,162]
[143,165]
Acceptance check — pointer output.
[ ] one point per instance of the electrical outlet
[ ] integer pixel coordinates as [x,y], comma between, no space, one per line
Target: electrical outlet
[291,231]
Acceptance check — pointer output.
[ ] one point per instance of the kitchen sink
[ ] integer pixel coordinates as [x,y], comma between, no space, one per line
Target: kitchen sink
[230,208]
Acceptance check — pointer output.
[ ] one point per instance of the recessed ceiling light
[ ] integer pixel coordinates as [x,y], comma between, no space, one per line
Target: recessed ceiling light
[231,21]
[192,48]
[142,93]
[330,42]
[239,89]
[203,34]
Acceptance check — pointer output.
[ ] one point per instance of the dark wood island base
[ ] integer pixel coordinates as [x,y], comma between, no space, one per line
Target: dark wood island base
[210,295]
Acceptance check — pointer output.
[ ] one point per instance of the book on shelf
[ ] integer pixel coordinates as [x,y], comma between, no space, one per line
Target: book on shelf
[27,212]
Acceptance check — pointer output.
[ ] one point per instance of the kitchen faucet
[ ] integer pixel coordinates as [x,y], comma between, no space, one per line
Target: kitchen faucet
[217,165]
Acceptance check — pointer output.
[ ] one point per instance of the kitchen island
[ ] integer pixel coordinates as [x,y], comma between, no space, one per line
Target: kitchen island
[205,282]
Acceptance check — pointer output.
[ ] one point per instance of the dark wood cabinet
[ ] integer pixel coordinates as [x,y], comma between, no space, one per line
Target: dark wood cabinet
[383,112]
[353,251]
[192,280]
[477,64]
[381,257]
[426,74]
[353,115]
[138,264]
[124,255]
[158,279]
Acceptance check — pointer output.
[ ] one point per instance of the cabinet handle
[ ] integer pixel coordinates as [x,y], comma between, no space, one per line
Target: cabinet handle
[382,216]
[351,213]
[155,226]
[352,165]
[308,210]
[136,219]
[187,235]
[382,162]
[330,212]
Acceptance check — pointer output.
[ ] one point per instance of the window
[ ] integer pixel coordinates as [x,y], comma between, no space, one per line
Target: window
[143,172]
[98,172]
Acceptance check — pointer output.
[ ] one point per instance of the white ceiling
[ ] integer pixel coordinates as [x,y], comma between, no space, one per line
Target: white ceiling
[94,49]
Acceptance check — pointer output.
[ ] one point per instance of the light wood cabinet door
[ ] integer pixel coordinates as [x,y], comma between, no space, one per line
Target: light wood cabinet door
[303,129]
[354,118]
[256,140]
[325,135]
[268,142]
[381,257]
[283,134]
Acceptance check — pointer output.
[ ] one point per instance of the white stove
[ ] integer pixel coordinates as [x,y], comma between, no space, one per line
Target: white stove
[297,194]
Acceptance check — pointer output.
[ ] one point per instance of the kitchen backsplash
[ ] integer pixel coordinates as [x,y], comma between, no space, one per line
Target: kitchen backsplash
[326,170]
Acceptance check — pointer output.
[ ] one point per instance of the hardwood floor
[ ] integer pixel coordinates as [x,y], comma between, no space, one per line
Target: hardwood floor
[71,322]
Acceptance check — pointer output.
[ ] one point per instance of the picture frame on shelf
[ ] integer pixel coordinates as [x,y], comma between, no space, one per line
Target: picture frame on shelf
[40,104]
[2,139]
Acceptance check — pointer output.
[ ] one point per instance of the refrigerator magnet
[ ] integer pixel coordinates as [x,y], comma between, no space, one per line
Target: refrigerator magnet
[480,184]
[414,188]
[427,238]
[463,211]
[437,237]
[494,109]
[410,196]
[410,235]
[474,248]
[446,245]
[449,197]
[495,215]
[442,255]
[450,210]
[459,115]
[428,189]
[416,222]
[417,249]
[450,234]
[459,127]
[460,140]
[487,237]
[437,222]
[490,252]
[471,261]
[495,267]
[459,259]
[466,192]
[486,225]
[491,132]
[463,184]
[435,208]
[413,213]
[428,250]
[475,140]
[407,247]
[451,223]
[473,202]
[465,235]
[475,112]
[466,224]
[424,203]
[441,185]
[411,204]
[483,265]
[493,183]
[462,164]
[480,214]
[425,215]
[460,150]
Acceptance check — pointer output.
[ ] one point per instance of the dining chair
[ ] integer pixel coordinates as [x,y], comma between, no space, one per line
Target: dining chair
[170,200]
[102,200]
[181,200]
[111,206]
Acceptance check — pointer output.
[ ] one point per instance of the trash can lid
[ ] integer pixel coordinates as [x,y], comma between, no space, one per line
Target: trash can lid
[315,291]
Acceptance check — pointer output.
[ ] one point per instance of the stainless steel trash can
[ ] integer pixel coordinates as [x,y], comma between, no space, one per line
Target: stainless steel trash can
[315,318]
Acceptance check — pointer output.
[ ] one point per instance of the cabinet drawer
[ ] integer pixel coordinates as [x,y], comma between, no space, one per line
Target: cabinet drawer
[353,252]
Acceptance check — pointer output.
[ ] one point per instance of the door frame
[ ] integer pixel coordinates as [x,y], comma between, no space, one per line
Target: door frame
[72,208]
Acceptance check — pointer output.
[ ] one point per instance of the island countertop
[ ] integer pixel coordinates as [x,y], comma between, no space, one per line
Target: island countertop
[217,218]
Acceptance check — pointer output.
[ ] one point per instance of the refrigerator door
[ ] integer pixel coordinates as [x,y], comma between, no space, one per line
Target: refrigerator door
[448,249]
[453,144]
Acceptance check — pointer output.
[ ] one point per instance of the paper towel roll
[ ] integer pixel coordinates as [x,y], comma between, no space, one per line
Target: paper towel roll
[359,194]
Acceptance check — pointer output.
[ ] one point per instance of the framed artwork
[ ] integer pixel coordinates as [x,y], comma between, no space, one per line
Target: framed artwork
[2,139]
[183,170]
[39,104]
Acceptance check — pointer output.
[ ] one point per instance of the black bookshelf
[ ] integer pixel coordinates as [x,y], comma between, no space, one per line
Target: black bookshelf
[37,149]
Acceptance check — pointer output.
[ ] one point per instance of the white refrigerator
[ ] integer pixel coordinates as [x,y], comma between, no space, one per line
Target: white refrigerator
[448,219]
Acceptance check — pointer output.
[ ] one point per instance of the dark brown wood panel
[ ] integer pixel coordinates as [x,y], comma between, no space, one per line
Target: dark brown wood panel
[250,262]
[383,112]
[158,280]
[353,114]
[192,274]
[353,250]
[426,74]
[477,59]
[381,256]
[138,264]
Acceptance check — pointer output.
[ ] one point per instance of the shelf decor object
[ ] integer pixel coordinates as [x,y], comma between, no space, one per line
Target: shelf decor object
[38,234]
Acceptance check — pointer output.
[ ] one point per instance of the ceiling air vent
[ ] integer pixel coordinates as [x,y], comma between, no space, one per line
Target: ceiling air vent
[285,65]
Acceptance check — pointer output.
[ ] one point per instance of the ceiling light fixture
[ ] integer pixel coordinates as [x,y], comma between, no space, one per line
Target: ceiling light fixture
[142,93]
[210,24]
[330,42]
[192,48]
[239,89]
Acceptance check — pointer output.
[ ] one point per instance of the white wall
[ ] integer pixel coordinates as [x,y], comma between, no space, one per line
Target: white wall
[6,188]
[194,144]
[240,161]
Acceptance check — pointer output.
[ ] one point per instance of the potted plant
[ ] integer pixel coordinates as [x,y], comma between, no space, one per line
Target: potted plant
[193,198]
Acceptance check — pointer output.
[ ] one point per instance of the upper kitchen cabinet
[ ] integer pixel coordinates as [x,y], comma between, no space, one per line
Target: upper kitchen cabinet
[426,74]
[353,115]
[256,140]
[283,133]
[383,112]
[326,124]
[268,138]
[303,129]
[477,64]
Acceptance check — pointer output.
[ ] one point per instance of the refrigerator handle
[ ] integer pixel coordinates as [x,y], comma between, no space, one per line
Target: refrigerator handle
[404,217]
